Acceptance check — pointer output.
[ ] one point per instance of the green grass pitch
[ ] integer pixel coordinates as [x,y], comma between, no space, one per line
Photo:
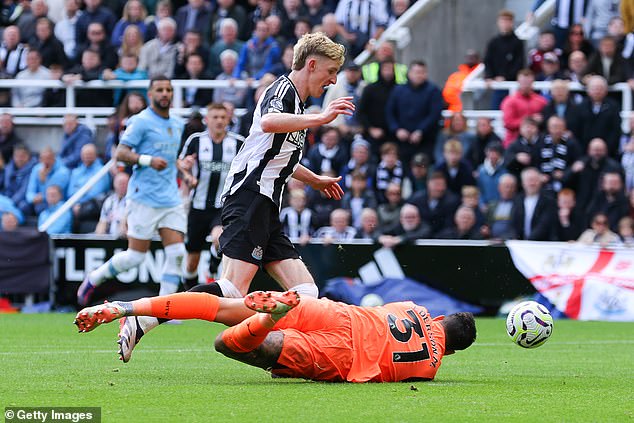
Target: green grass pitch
[585,372]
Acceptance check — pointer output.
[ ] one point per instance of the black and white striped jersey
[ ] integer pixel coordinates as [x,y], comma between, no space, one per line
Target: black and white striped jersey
[213,161]
[266,161]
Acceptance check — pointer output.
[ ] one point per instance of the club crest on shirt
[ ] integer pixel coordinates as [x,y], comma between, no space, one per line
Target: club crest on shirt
[276,103]
[297,138]
[257,253]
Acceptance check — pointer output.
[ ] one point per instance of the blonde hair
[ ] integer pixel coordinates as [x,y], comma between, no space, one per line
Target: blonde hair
[453,145]
[470,191]
[316,44]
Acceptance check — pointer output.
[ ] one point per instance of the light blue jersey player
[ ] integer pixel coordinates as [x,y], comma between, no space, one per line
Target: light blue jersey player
[151,143]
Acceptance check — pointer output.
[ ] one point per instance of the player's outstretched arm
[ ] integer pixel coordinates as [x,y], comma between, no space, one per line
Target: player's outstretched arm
[328,185]
[124,153]
[289,122]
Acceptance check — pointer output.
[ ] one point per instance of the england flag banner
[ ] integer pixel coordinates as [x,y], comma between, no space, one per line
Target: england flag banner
[584,282]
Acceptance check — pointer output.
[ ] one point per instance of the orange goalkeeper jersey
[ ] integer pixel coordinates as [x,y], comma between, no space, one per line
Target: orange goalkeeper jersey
[395,342]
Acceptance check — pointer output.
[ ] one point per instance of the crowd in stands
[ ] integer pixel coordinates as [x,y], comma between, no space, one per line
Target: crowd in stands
[562,170]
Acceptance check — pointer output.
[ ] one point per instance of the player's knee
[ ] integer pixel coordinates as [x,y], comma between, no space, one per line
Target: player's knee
[174,255]
[306,290]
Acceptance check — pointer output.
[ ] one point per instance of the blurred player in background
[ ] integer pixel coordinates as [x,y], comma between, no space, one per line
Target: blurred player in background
[205,161]
[150,143]
[313,338]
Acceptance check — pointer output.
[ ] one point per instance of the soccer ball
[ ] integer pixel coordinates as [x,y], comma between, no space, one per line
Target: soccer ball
[529,324]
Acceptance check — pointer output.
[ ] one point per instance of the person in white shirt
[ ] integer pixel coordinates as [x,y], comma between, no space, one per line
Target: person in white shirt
[30,96]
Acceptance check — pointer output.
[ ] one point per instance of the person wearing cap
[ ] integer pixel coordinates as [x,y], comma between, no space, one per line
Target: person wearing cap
[351,85]
[417,179]
[607,63]
[545,44]
[551,71]
[490,172]
[453,87]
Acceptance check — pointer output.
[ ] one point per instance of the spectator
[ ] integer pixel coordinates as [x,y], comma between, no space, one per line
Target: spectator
[127,71]
[290,13]
[339,229]
[54,200]
[607,62]
[384,53]
[484,135]
[577,64]
[227,9]
[259,55]
[350,85]
[286,62]
[65,29]
[302,26]
[551,71]
[275,29]
[362,23]
[12,58]
[315,11]
[437,205]
[8,138]
[192,44]
[524,103]
[358,197]
[545,44]
[599,233]
[194,15]
[9,222]
[89,205]
[163,10]
[598,117]
[457,171]
[577,42]
[534,213]
[583,175]
[16,177]
[390,210]
[470,196]
[500,212]
[523,152]
[556,151]
[12,11]
[416,179]
[413,112]
[328,155]
[90,69]
[94,12]
[132,42]
[409,228]
[598,15]
[627,160]
[457,130]
[567,16]
[134,13]
[626,231]
[112,218]
[158,56]
[263,10]
[195,67]
[98,40]
[562,104]
[389,171]
[369,229]
[372,118]
[28,19]
[453,87]
[8,207]
[504,56]
[398,7]
[49,171]
[570,220]
[360,161]
[464,226]
[228,40]
[490,172]
[131,104]
[76,136]
[330,27]
[231,94]
[297,219]
[610,199]
[30,96]
[50,48]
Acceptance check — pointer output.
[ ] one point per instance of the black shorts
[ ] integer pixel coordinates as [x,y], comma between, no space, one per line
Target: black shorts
[199,225]
[252,230]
